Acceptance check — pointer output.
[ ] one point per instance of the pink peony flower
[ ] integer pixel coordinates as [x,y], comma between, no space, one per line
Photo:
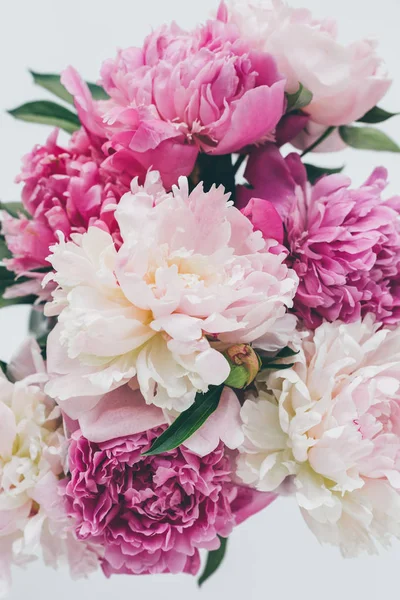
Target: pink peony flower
[181,93]
[344,243]
[65,190]
[191,273]
[153,514]
[346,81]
[328,430]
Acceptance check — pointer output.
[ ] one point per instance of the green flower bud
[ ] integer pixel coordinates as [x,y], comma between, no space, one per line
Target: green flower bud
[244,363]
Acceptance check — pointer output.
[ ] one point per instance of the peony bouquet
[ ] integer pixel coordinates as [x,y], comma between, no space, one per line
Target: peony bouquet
[215,322]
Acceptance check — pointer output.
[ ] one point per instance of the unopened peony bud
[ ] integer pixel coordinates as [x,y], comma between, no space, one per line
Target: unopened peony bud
[244,364]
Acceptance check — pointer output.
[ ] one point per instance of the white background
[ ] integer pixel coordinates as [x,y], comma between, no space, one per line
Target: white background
[273,555]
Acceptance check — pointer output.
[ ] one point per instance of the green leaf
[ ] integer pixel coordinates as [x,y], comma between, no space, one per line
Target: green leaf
[4,251]
[14,209]
[299,99]
[7,279]
[47,113]
[52,83]
[276,366]
[314,172]
[214,560]
[377,115]
[188,422]
[286,352]
[214,170]
[98,93]
[368,138]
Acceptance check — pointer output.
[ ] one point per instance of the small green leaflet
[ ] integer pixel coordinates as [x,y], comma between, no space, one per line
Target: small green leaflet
[47,113]
[314,172]
[286,352]
[368,138]
[214,560]
[4,251]
[377,115]
[299,99]
[14,209]
[52,83]
[267,362]
[188,422]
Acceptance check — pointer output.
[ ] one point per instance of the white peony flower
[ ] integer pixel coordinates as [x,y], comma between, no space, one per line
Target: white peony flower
[329,429]
[32,446]
[190,272]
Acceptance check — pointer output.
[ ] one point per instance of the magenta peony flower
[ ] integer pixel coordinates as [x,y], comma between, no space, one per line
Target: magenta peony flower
[181,93]
[65,190]
[344,243]
[152,514]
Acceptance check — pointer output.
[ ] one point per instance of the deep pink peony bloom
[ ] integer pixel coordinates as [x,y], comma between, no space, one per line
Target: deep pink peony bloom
[344,243]
[181,93]
[65,189]
[153,514]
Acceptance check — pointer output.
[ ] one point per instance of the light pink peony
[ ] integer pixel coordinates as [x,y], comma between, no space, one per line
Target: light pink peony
[181,93]
[344,243]
[346,81]
[65,189]
[191,273]
[328,429]
[153,514]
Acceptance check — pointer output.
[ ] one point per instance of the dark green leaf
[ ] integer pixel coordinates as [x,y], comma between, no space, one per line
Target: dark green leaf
[214,560]
[299,100]
[7,279]
[14,209]
[368,138]
[47,113]
[286,353]
[215,170]
[98,93]
[377,115]
[314,172]
[276,366]
[4,251]
[52,83]
[188,422]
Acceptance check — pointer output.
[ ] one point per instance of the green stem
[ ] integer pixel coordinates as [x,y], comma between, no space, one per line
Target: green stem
[319,141]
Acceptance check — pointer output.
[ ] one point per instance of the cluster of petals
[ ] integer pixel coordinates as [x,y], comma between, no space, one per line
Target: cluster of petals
[180,93]
[346,81]
[32,446]
[344,243]
[64,189]
[191,276]
[328,430]
[152,514]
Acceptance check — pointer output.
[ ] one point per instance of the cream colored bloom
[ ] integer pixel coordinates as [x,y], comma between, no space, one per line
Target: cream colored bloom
[191,272]
[329,429]
[32,447]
